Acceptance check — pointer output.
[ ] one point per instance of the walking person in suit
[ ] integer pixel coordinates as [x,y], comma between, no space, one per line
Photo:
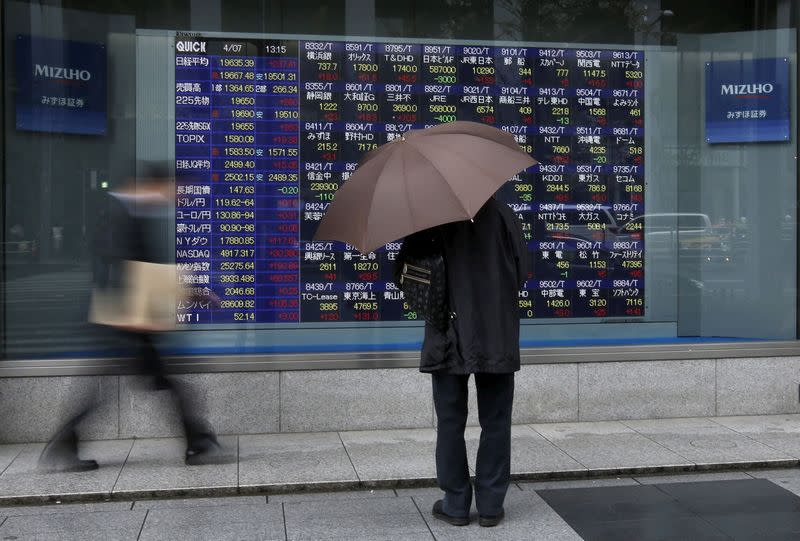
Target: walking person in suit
[487,264]
[135,296]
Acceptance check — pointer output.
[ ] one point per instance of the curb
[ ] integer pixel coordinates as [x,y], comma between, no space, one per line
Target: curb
[342,486]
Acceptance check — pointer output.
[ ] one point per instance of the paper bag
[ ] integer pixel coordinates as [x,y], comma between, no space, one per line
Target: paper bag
[145,301]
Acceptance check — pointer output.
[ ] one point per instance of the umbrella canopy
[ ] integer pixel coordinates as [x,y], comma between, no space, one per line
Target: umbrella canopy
[423,179]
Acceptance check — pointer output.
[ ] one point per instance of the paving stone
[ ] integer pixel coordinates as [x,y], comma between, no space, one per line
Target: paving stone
[703,441]
[759,424]
[530,452]
[222,522]
[392,454]
[609,446]
[373,519]
[7,455]
[110,525]
[420,491]
[687,425]
[780,432]
[23,479]
[528,517]
[786,444]
[156,467]
[294,459]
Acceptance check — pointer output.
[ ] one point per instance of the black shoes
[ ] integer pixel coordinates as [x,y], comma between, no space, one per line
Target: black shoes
[486,521]
[60,455]
[67,465]
[490,521]
[438,512]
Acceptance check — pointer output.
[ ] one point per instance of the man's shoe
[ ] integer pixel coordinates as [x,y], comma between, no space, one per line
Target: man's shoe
[438,512]
[60,455]
[71,465]
[490,521]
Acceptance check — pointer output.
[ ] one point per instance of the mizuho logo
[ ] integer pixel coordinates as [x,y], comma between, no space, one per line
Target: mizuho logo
[56,72]
[191,46]
[743,90]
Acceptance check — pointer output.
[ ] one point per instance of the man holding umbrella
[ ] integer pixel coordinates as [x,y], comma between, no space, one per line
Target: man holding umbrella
[440,183]
[486,266]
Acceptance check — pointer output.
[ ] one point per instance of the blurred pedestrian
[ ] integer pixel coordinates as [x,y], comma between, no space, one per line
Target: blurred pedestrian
[135,295]
[487,264]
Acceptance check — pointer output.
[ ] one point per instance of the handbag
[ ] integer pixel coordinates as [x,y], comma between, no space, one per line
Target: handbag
[422,277]
[145,300]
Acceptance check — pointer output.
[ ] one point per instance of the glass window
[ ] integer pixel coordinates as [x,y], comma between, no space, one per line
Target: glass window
[663,210]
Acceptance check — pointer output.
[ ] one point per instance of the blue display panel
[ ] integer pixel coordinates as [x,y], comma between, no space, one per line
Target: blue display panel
[267,131]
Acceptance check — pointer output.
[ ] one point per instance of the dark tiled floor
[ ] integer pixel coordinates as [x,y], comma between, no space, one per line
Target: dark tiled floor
[743,509]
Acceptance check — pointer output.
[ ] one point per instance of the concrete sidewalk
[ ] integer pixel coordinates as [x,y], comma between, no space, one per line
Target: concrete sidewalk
[361,515]
[395,459]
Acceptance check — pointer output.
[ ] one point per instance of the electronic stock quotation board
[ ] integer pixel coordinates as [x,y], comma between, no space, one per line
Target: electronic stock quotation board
[266,131]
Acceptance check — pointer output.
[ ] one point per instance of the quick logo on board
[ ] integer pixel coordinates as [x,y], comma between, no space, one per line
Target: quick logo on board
[190,46]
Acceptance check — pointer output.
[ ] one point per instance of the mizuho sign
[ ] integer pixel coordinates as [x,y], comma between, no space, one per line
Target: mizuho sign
[747,90]
[747,100]
[57,72]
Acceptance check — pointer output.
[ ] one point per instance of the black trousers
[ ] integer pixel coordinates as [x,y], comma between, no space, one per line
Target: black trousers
[149,363]
[493,467]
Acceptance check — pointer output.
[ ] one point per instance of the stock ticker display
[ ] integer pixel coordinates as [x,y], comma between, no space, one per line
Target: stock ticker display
[267,130]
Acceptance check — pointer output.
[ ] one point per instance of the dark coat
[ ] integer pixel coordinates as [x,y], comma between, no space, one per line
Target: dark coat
[487,264]
[130,228]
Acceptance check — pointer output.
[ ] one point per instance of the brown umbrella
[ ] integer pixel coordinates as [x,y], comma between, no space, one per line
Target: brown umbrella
[423,179]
